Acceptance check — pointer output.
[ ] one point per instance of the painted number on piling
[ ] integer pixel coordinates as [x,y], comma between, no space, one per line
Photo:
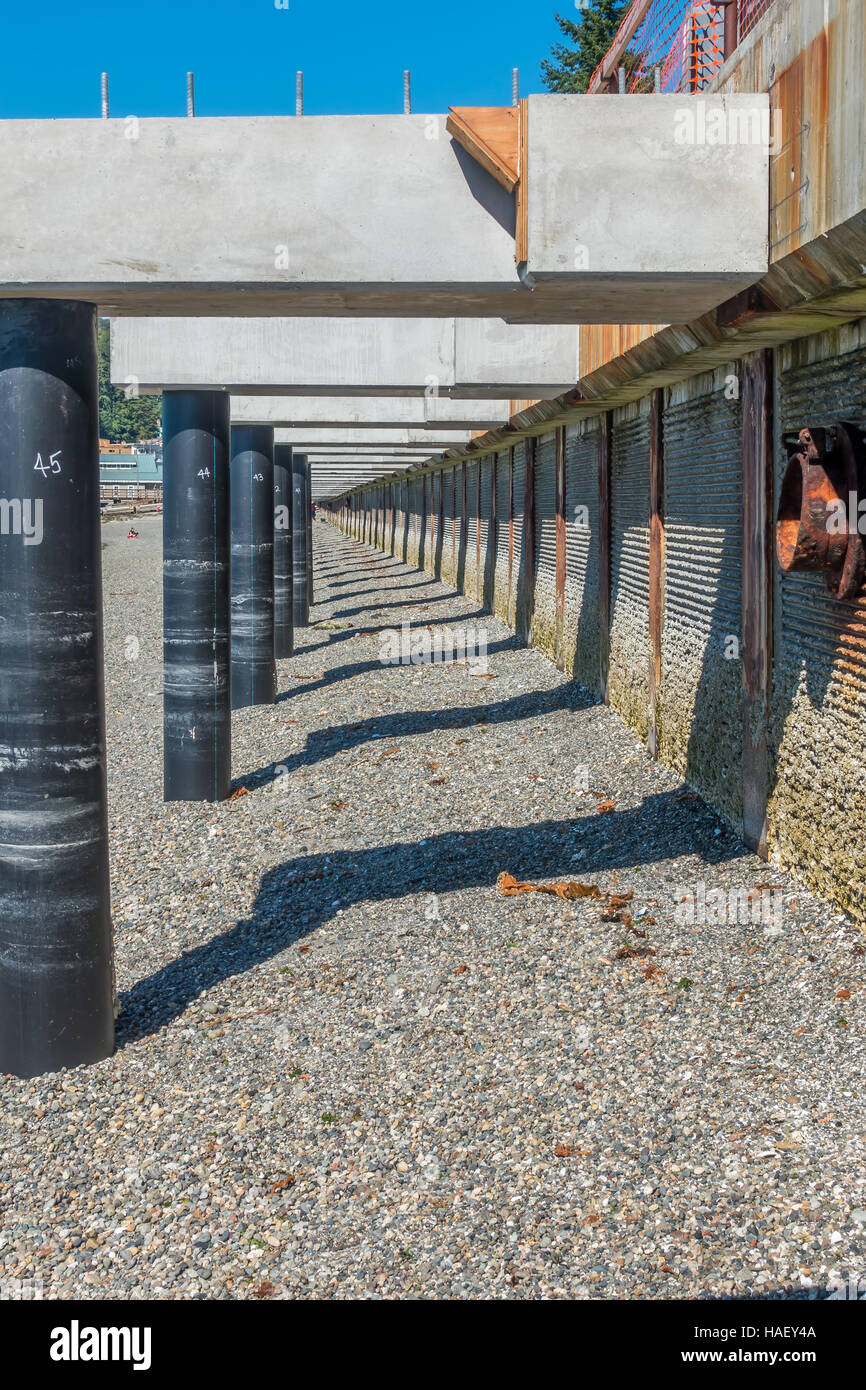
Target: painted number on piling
[258,477]
[204,473]
[52,466]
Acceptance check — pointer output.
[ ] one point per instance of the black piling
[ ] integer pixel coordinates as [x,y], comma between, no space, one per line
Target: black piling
[284,640]
[196,622]
[300,541]
[56,993]
[308,511]
[254,672]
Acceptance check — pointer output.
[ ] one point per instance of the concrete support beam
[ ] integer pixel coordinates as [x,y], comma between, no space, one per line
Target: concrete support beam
[370,412]
[433,358]
[415,224]
[321,439]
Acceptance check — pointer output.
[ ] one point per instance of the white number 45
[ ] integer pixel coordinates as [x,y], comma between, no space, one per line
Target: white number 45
[52,466]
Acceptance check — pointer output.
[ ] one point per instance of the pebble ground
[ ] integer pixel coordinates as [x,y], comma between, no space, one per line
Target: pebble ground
[348,1068]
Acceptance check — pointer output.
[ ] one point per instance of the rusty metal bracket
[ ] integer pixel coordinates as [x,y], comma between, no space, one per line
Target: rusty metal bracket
[817,524]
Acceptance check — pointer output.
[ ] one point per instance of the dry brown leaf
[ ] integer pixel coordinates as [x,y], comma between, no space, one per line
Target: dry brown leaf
[287,1181]
[265,1290]
[563,1151]
[617,900]
[241,791]
[604,808]
[568,890]
[461,969]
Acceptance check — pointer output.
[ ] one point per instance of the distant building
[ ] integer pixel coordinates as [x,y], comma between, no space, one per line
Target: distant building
[126,475]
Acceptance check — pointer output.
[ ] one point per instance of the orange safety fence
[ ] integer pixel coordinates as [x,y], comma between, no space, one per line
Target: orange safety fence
[673,45]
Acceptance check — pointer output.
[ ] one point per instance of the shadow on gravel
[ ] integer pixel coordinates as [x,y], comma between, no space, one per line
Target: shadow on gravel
[660,828]
[386,604]
[322,743]
[356,630]
[362,668]
[364,593]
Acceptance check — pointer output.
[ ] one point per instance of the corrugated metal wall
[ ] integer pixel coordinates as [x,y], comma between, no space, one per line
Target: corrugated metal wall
[485,583]
[460,527]
[629,580]
[518,493]
[818,731]
[470,576]
[544,598]
[434,558]
[501,603]
[581,651]
[449,557]
[415,522]
[700,700]
[403,533]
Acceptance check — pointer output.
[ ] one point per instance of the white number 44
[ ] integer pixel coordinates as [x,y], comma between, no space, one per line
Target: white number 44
[204,472]
[52,466]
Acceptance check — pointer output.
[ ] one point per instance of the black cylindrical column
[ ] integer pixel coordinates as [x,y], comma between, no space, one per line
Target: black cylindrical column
[284,643]
[56,993]
[195,576]
[254,671]
[300,572]
[308,512]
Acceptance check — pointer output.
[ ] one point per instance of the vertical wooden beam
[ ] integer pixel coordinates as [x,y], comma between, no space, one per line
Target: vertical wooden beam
[605,442]
[560,543]
[656,563]
[756,396]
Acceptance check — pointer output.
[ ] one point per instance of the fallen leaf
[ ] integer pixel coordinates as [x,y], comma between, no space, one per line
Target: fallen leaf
[265,1290]
[569,890]
[563,1151]
[241,791]
[844,994]
[626,951]
[461,969]
[617,900]
[287,1181]
[604,808]
[438,782]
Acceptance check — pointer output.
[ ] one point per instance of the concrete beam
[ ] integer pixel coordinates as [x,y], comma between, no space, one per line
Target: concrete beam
[371,215]
[322,439]
[626,195]
[432,358]
[370,412]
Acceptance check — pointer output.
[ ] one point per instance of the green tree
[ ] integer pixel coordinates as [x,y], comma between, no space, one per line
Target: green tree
[572,64]
[123,418]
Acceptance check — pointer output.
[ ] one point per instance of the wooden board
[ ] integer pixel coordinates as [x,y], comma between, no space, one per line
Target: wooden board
[490,135]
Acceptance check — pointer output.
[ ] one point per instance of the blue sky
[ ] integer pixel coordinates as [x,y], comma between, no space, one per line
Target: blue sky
[244,54]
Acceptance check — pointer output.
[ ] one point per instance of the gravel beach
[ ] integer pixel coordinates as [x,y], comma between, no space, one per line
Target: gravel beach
[348,1067]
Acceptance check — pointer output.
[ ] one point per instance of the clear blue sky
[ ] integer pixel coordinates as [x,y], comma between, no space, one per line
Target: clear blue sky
[244,54]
